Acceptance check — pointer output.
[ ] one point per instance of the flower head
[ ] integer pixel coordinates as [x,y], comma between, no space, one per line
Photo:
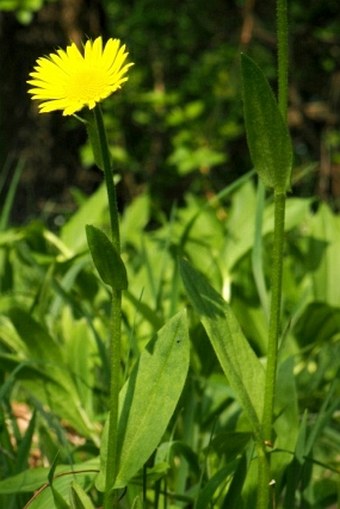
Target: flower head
[68,80]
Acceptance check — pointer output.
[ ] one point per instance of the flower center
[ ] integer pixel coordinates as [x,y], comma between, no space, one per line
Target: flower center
[86,85]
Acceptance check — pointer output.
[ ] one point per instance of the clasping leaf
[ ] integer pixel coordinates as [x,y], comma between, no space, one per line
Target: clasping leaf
[106,259]
[267,133]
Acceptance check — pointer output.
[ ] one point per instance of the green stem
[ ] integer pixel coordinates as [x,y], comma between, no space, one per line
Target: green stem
[110,187]
[274,319]
[112,445]
[282,41]
[110,500]
[263,495]
[263,478]
[264,471]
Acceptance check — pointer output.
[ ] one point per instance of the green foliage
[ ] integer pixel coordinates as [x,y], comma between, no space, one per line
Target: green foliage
[106,259]
[267,133]
[149,397]
[79,498]
[53,355]
[241,366]
[24,9]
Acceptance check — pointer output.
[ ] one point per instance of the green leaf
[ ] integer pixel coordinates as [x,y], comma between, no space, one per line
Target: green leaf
[24,447]
[10,196]
[148,399]
[241,240]
[287,422]
[59,501]
[318,324]
[53,469]
[33,479]
[25,482]
[134,220]
[137,503]
[206,495]
[106,259]
[230,443]
[81,355]
[39,344]
[79,499]
[293,472]
[257,251]
[168,450]
[73,232]
[239,362]
[267,133]
[45,373]
[330,404]
[233,498]
[11,379]
[324,247]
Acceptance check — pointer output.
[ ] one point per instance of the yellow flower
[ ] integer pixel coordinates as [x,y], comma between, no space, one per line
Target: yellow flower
[69,80]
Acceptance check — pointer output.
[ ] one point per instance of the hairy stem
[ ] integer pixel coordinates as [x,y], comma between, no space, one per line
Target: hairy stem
[110,500]
[110,187]
[264,471]
[282,55]
[274,319]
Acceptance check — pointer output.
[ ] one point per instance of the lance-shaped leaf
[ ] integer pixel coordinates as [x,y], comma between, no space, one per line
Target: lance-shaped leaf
[148,399]
[106,259]
[242,368]
[267,133]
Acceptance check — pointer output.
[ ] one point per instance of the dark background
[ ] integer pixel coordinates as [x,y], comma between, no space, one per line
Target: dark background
[177,124]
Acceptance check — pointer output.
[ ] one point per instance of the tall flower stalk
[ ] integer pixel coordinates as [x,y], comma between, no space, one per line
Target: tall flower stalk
[69,81]
[264,495]
[116,317]
[271,152]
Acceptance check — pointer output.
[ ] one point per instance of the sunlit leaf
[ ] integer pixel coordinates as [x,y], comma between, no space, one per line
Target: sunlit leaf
[149,397]
[238,361]
[106,259]
[267,133]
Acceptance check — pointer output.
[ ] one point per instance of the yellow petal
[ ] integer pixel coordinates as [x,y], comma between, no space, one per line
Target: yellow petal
[69,80]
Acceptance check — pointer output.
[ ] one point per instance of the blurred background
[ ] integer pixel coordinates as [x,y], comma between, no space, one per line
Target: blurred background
[176,125]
